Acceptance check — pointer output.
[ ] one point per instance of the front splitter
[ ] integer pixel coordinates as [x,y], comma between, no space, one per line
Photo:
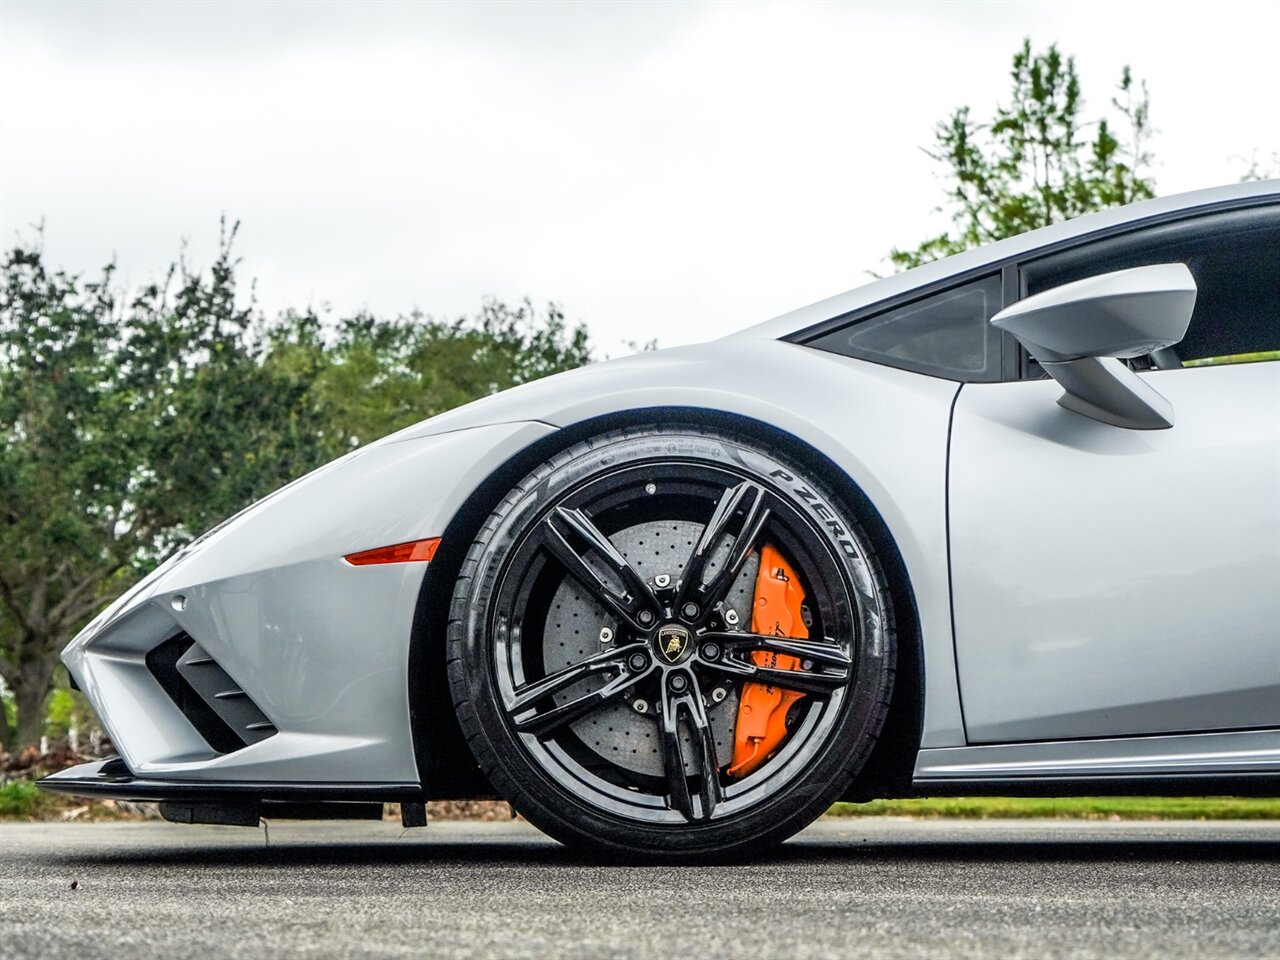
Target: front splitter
[111,779]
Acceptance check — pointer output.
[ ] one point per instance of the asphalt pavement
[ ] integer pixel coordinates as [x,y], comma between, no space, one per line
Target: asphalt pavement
[843,888]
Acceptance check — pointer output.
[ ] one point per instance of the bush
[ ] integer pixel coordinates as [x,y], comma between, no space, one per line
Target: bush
[19,798]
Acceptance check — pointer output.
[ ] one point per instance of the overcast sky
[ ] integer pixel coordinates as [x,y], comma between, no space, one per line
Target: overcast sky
[662,170]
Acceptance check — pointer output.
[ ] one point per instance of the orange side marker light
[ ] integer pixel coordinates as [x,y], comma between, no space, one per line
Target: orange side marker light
[415,551]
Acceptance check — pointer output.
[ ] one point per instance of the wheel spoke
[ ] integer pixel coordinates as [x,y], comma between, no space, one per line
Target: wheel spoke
[826,653]
[627,597]
[818,683]
[545,723]
[678,796]
[705,762]
[531,693]
[741,513]
[704,750]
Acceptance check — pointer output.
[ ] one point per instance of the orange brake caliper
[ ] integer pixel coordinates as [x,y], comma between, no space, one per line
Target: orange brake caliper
[762,711]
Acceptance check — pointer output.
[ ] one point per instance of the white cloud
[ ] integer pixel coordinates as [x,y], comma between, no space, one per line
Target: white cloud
[671,171]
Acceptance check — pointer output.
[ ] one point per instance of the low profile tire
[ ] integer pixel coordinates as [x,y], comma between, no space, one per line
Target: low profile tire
[601,638]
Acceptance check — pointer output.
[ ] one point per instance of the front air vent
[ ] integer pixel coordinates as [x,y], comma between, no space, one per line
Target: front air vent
[215,704]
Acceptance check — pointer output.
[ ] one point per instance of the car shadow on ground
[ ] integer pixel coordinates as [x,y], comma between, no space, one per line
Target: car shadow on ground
[489,853]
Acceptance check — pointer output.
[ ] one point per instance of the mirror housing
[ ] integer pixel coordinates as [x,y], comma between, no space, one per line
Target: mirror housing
[1075,329]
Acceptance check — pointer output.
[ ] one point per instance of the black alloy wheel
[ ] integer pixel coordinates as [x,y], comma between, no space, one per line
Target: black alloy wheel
[600,638]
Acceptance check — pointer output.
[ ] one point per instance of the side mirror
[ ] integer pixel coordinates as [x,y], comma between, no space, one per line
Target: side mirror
[1072,328]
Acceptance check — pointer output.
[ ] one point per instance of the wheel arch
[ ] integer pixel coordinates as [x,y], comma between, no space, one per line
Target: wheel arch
[444,761]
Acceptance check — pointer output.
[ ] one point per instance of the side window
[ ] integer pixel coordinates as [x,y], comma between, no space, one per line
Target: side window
[945,334]
[1235,259]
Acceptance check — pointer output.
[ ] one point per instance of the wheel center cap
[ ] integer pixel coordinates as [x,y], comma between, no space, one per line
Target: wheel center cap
[673,643]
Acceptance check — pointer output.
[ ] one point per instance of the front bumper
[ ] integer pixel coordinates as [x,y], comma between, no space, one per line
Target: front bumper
[318,647]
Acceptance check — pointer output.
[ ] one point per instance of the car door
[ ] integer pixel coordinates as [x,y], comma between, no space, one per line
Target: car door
[1111,582]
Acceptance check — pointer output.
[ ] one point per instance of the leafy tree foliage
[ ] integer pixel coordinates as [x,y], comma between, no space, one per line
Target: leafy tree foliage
[1037,161]
[373,376]
[131,425]
[59,486]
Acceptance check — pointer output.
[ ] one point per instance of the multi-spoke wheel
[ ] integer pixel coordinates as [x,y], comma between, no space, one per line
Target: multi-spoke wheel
[609,643]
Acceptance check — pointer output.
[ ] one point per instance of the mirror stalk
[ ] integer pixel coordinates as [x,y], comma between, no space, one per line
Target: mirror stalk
[1111,393]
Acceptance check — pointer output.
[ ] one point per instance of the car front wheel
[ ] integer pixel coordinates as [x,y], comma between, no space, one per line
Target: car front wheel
[671,643]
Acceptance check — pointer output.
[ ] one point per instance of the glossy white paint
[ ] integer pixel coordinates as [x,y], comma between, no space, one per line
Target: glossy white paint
[1111,582]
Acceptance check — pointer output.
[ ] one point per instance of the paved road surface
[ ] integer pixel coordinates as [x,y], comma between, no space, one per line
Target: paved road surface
[844,888]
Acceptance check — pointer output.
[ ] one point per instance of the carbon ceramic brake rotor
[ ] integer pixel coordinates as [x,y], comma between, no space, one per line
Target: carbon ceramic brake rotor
[619,733]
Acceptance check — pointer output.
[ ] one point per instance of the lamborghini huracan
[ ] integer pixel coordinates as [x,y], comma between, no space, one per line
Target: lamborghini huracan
[1008,523]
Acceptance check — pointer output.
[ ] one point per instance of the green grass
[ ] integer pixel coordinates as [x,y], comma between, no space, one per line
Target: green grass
[1079,808]
[23,800]
[1234,358]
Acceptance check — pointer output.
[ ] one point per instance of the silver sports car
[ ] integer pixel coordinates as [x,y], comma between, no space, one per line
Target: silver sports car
[1008,523]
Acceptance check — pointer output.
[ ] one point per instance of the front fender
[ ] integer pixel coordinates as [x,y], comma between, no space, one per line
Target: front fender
[886,429]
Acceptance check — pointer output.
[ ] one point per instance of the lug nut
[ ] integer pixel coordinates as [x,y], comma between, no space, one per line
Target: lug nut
[645,617]
[690,610]
[637,662]
[678,682]
[640,706]
[807,665]
[731,617]
[718,694]
[710,651]
[606,635]
[662,581]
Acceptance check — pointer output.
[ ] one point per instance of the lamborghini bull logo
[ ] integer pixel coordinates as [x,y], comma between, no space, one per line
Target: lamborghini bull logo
[672,642]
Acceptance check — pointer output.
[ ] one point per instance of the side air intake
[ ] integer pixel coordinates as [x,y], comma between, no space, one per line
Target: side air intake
[215,704]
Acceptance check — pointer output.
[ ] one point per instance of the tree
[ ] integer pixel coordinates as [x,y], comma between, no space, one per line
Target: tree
[1037,161]
[58,424]
[127,430]
[377,376]
[130,426]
